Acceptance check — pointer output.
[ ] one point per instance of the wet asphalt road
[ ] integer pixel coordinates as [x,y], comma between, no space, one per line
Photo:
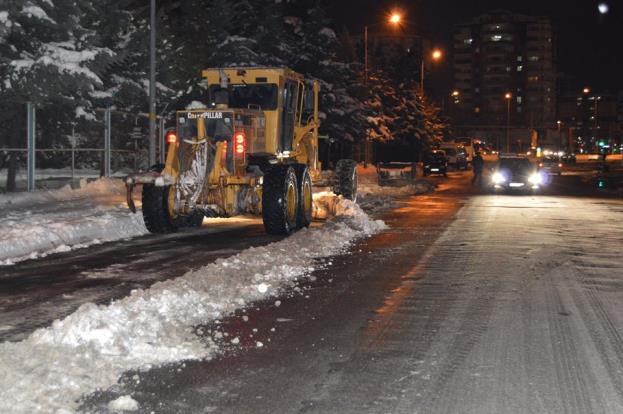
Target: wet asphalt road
[470,303]
[36,292]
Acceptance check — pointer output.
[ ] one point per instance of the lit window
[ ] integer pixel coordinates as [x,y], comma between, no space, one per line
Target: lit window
[533,58]
[496,38]
[508,68]
[519,68]
[519,58]
[519,99]
[468,41]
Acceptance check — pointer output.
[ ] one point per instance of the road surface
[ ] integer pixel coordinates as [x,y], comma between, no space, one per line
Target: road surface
[470,303]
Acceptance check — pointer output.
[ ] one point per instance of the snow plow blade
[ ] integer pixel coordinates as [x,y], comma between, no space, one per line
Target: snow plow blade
[150,178]
[396,174]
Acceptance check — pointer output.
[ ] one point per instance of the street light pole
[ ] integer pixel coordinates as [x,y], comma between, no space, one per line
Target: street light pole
[422,76]
[436,55]
[365,52]
[152,84]
[508,97]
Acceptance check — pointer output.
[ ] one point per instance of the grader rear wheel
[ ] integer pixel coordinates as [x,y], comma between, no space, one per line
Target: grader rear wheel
[303,178]
[346,179]
[280,200]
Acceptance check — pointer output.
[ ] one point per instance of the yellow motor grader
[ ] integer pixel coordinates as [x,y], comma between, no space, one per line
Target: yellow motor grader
[253,149]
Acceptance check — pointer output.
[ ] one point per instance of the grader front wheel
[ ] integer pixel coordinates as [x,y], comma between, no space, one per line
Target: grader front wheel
[156,211]
[280,200]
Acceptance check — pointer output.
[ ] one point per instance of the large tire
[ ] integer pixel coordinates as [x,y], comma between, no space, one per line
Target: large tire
[191,221]
[155,209]
[346,179]
[304,216]
[280,200]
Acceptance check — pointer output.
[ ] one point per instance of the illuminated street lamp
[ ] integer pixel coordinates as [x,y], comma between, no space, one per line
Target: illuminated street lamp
[394,19]
[436,55]
[508,98]
[586,91]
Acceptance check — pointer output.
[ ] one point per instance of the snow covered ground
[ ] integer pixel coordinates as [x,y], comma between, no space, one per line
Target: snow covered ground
[37,224]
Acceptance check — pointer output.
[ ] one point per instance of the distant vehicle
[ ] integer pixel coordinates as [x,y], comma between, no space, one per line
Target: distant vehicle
[516,173]
[436,162]
[455,154]
[551,164]
[469,146]
[568,159]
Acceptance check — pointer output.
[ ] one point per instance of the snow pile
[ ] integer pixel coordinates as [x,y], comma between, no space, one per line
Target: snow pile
[91,348]
[36,224]
[123,403]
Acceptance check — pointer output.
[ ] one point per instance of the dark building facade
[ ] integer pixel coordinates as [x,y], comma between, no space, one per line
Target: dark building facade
[500,53]
[593,120]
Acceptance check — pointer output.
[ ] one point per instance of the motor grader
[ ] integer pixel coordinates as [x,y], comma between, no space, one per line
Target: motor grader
[253,149]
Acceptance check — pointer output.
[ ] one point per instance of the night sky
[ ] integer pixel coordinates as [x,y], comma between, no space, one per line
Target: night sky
[589,45]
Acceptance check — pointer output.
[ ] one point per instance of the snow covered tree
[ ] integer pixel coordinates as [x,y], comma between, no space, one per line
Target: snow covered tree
[48,58]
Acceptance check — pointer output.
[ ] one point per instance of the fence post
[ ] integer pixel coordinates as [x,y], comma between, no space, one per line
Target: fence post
[31,131]
[107,145]
[73,152]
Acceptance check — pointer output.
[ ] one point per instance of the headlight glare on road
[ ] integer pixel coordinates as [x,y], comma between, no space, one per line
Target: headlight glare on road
[536,179]
[498,178]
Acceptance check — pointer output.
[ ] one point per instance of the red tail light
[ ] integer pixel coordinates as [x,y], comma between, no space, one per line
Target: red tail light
[240,143]
[171,138]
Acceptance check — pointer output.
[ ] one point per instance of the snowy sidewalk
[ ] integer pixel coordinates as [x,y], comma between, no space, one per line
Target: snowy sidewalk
[37,224]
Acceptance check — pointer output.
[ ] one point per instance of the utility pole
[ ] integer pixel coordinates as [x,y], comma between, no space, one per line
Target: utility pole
[508,98]
[422,75]
[152,84]
[365,52]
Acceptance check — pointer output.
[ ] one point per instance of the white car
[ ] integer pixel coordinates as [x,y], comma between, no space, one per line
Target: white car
[456,155]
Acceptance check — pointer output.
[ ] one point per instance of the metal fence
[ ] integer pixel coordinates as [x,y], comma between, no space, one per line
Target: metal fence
[111,143]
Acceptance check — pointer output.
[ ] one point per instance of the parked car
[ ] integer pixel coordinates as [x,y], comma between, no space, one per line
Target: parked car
[551,164]
[456,155]
[516,173]
[436,162]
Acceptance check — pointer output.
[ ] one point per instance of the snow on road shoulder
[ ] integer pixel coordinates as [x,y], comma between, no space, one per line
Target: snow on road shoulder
[90,349]
[37,224]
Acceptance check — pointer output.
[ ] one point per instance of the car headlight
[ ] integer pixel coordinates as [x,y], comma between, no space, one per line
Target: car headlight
[535,179]
[498,178]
